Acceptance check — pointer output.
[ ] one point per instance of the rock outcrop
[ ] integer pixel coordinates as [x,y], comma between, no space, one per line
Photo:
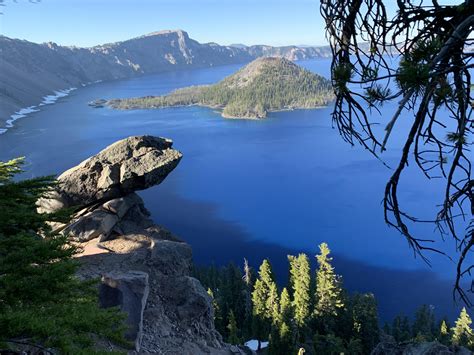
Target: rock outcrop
[145,270]
[390,347]
[132,164]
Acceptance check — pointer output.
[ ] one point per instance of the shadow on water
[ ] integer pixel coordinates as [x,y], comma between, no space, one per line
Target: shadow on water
[217,241]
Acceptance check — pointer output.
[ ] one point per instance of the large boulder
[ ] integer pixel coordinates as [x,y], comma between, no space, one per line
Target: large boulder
[132,164]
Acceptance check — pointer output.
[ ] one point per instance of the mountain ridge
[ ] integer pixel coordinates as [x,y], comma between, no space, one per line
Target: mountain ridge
[31,71]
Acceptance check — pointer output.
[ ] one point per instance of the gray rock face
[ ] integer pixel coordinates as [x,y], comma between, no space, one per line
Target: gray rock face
[115,217]
[178,317]
[129,291]
[132,164]
[145,270]
[390,347]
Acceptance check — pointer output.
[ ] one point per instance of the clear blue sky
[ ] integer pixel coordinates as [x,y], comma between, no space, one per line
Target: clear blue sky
[91,22]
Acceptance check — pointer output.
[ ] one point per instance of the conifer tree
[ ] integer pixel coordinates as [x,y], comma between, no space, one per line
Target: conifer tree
[365,318]
[462,332]
[40,297]
[444,334]
[233,330]
[282,339]
[263,310]
[273,303]
[355,347]
[328,345]
[401,329]
[286,334]
[286,308]
[328,287]
[248,285]
[215,305]
[300,279]
[424,324]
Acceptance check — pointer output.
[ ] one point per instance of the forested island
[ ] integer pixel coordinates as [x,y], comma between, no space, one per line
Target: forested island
[265,85]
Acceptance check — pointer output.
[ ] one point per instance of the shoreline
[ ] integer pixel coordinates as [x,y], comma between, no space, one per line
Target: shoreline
[24,112]
[218,109]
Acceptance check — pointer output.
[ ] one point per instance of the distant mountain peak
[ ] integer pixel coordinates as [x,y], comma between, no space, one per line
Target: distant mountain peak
[238,45]
[179,32]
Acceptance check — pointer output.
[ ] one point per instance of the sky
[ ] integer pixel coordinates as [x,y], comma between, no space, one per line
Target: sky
[90,22]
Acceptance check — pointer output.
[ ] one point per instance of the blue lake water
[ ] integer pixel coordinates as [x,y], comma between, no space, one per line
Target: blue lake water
[256,189]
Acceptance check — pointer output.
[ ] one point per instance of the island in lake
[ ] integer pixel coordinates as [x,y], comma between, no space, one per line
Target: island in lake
[265,85]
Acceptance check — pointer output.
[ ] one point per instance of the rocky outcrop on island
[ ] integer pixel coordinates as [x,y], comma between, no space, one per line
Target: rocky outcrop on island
[32,71]
[145,269]
[267,84]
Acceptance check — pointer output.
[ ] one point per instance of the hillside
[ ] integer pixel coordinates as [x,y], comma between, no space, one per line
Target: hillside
[30,71]
[266,84]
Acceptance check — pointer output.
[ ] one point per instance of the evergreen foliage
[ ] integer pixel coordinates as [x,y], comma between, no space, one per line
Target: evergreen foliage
[444,335]
[401,329]
[300,279]
[233,337]
[328,287]
[424,326]
[462,332]
[350,324]
[40,298]
[365,320]
[264,299]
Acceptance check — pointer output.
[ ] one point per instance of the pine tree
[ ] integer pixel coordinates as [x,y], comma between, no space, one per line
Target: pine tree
[365,318]
[424,324]
[444,334]
[40,297]
[263,310]
[328,288]
[273,304]
[401,329]
[286,308]
[247,279]
[233,330]
[300,279]
[215,305]
[282,339]
[462,332]
[355,347]
[328,345]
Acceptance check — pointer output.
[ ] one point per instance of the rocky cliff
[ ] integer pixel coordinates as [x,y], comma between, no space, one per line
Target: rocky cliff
[30,71]
[145,270]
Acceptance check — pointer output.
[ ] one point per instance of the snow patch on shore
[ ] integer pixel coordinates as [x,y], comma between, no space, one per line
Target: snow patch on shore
[51,99]
[47,100]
